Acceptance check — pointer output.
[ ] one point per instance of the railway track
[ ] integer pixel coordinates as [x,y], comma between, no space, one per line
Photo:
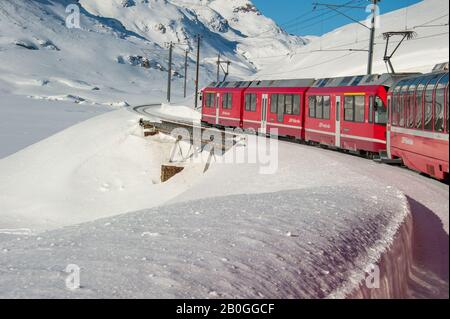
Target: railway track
[209,136]
[229,139]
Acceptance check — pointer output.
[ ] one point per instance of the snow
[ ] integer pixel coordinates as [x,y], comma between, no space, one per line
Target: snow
[211,248]
[89,63]
[176,111]
[83,65]
[24,122]
[418,55]
[88,192]
[88,171]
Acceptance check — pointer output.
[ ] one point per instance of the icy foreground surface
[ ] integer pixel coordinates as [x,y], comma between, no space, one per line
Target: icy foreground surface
[300,243]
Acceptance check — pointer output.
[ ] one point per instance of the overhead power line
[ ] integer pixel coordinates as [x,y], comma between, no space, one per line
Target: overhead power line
[342,56]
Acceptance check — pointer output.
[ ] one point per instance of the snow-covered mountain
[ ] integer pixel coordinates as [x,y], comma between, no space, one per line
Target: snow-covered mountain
[119,52]
[329,55]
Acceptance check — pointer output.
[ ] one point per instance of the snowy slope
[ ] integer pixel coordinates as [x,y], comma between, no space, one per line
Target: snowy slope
[430,47]
[24,122]
[98,168]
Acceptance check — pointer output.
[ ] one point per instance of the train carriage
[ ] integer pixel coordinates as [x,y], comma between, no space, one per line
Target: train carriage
[418,129]
[277,104]
[349,112]
[403,116]
[222,104]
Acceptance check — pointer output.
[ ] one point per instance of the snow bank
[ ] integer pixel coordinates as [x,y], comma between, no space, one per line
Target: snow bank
[308,231]
[98,168]
[303,243]
[175,112]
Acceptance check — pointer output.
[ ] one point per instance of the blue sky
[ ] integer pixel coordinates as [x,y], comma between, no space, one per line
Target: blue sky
[302,21]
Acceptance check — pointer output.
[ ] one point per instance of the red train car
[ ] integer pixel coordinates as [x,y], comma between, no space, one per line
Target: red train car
[222,104]
[349,112]
[277,104]
[418,129]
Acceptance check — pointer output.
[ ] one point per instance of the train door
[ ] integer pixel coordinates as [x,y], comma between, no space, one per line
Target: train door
[338,122]
[264,105]
[217,107]
[388,127]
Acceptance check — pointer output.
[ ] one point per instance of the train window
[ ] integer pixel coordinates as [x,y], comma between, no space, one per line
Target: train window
[285,104]
[439,110]
[273,103]
[253,105]
[250,102]
[413,110]
[210,97]
[381,115]
[428,110]
[394,110]
[349,108]
[371,109]
[419,102]
[448,111]
[281,99]
[354,108]
[326,107]
[288,102]
[227,101]
[439,105]
[319,107]
[296,108]
[405,102]
[360,105]
[401,111]
[312,106]
[428,103]
[281,108]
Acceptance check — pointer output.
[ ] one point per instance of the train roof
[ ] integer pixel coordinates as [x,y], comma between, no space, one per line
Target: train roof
[291,83]
[230,84]
[385,79]
[414,80]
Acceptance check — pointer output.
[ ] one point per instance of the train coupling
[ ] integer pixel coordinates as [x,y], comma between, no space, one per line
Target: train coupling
[384,159]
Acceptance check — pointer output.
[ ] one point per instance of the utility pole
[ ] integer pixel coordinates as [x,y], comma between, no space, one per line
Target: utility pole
[219,66]
[185,72]
[372,35]
[197,76]
[169,77]
[372,28]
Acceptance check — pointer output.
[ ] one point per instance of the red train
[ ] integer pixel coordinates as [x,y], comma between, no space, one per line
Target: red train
[418,129]
[403,116]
